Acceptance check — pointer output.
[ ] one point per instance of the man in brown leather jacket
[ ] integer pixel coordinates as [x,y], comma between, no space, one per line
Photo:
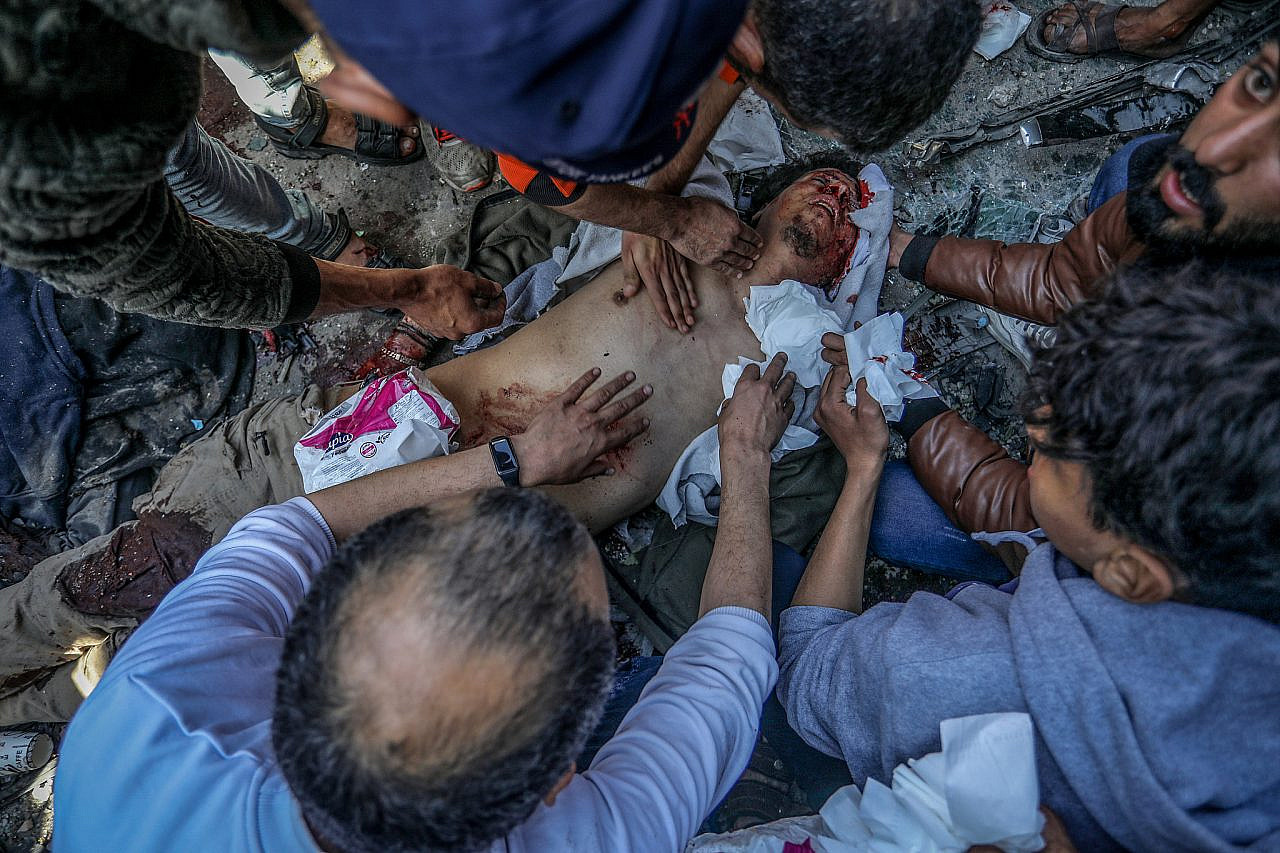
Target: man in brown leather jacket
[1212,194]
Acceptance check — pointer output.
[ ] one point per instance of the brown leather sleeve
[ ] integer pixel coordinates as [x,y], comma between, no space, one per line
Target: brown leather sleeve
[977,484]
[1035,281]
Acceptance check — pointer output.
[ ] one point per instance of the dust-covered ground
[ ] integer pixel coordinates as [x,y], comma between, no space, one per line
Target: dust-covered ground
[409,209]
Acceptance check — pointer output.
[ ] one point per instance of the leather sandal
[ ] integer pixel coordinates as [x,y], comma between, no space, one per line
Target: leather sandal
[1098,22]
[377,143]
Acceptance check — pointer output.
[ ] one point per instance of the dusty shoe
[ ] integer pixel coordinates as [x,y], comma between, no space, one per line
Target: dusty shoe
[408,346]
[463,166]
[1018,336]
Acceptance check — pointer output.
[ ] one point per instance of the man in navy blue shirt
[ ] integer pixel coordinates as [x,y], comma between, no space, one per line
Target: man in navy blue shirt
[586,95]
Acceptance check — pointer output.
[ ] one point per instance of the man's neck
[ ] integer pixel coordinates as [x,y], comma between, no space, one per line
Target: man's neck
[769,269]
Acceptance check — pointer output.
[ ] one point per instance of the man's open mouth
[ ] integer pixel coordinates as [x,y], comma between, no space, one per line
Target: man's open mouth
[1176,195]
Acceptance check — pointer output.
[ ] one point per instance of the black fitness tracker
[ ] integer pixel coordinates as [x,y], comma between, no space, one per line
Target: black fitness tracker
[504,460]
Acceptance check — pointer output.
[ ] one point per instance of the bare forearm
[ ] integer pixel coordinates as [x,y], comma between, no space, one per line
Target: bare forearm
[741,568]
[350,507]
[834,576]
[346,288]
[628,208]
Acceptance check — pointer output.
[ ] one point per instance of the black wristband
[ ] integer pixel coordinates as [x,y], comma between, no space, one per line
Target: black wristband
[916,257]
[916,413]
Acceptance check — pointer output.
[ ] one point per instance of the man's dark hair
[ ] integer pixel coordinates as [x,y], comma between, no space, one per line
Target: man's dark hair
[784,175]
[870,72]
[486,584]
[1167,390]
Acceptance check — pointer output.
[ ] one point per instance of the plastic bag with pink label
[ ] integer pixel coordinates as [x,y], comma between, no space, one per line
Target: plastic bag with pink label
[393,420]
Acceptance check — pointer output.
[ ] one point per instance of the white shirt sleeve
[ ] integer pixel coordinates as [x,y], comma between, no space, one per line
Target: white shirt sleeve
[677,752]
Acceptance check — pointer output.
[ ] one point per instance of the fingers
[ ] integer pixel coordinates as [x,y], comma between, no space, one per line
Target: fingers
[785,387]
[625,432]
[631,402]
[750,374]
[605,394]
[773,373]
[750,236]
[579,387]
[735,263]
[682,275]
[483,288]
[488,317]
[671,293]
[833,349]
[865,398]
[680,286]
[631,280]
[659,298]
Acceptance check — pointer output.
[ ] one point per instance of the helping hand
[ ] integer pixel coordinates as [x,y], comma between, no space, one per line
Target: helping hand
[712,235]
[566,440]
[833,351]
[860,433]
[898,241]
[452,303]
[757,414]
[653,264]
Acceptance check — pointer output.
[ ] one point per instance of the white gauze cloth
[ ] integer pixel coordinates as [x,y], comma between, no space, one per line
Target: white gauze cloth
[792,317]
[692,492]
[857,298]
[981,788]
[875,354]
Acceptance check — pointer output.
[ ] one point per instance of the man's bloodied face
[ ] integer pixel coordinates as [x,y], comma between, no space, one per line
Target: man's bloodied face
[812,218]
[1218,188]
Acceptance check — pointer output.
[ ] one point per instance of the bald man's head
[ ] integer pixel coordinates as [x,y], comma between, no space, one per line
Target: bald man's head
[443,672]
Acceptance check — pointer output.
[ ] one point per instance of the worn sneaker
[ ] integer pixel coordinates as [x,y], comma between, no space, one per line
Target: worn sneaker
[463,166]
[1018,336]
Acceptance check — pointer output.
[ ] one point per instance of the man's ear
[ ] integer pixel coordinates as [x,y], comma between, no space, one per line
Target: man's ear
[1135,574]
[560,785]
[747,47]
[353,87]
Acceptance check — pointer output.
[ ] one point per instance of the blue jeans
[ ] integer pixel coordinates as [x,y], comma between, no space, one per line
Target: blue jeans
[909,529]
[226,190]
[1113,177]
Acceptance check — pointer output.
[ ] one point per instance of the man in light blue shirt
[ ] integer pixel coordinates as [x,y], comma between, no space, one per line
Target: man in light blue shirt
[428,684]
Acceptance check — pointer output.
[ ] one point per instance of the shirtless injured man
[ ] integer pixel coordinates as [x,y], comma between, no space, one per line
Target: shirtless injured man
[71,612]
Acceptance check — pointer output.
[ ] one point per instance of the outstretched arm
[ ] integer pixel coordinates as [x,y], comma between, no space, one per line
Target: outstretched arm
[741,569]
[834,576]
[563,444]
[691,734]
[1035,281]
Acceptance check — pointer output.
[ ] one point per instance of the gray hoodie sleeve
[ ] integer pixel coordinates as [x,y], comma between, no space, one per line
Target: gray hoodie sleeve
[88,111]
[872,689]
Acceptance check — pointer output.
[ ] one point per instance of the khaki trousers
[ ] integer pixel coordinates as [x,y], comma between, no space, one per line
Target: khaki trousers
[60,625]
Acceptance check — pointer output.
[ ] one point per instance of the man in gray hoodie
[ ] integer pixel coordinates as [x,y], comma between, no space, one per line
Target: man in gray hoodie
[1142,637]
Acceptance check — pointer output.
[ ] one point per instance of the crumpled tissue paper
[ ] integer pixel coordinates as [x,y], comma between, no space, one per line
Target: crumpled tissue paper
[875,354]
[787,318]
[1002,24]
[691,492]
[857,298]
[981,788]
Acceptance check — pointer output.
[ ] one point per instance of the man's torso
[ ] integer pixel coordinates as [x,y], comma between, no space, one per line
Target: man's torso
[498,390]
